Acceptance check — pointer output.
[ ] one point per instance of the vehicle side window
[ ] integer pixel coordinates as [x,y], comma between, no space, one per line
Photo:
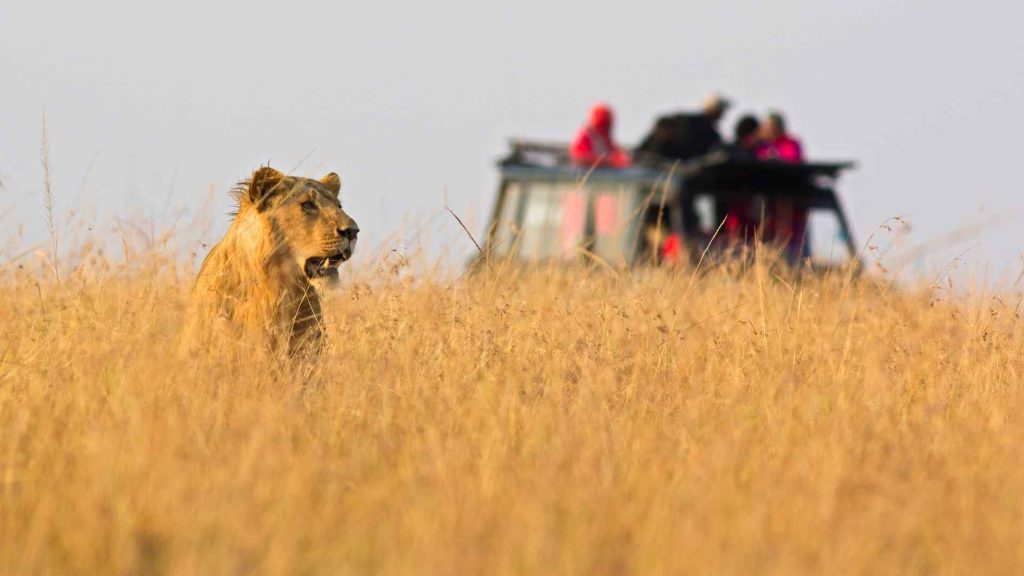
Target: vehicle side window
[542,218]
[507,227]
[615,222]
[571,233]
[706,213]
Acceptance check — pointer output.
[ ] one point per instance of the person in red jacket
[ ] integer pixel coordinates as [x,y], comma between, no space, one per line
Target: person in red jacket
[593,144]
[777,144]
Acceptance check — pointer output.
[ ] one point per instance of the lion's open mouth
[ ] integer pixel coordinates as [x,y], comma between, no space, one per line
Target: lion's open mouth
[324,266]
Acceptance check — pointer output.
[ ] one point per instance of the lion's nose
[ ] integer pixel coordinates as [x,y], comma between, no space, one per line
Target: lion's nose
[349,232]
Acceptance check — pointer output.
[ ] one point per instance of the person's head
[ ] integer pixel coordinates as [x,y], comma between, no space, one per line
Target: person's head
[746,128]
[714,106]
[601,118]
[774,126]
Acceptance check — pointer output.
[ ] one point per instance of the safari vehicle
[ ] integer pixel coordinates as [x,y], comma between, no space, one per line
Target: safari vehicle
[547,209]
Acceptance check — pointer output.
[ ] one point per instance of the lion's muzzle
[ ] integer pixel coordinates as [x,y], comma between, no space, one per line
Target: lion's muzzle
[336,253]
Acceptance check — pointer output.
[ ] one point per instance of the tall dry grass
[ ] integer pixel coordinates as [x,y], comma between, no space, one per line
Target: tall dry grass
[515,422]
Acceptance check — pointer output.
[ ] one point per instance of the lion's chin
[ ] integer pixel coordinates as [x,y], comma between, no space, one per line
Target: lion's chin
[328,282]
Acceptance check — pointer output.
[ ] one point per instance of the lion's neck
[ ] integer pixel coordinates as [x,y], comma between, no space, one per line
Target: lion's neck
[255,260]
[254,239]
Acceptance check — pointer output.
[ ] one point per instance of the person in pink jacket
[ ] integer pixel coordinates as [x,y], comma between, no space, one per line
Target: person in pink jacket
[777,144]
[780,146]
[594,145]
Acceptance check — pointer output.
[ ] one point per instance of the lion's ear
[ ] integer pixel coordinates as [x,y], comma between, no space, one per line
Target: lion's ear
[333,182]
[262,184]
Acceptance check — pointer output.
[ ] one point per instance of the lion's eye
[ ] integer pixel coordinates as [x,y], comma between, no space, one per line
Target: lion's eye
[309,206]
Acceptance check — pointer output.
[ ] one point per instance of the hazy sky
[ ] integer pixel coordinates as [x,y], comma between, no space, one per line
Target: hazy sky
[150,105]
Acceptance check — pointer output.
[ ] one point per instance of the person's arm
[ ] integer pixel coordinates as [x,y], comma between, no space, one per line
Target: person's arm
[619,158]
[789,150]
[716,138]
[654,143]
[582,149]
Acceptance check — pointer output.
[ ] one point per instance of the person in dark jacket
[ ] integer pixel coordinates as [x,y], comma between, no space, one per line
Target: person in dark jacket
[746,138]
[740,224]
[686,135]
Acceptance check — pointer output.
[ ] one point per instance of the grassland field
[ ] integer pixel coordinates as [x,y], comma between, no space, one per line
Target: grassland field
[515,421]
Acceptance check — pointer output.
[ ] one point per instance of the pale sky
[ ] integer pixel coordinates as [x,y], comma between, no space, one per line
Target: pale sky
[148,106]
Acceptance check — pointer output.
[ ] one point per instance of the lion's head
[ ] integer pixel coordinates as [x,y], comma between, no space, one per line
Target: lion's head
[306,218]
[287,232]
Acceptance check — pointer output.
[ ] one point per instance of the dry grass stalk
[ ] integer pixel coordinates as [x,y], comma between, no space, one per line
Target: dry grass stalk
[48,203]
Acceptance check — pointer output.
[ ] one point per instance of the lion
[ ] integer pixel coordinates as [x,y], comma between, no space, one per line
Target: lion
[259,281]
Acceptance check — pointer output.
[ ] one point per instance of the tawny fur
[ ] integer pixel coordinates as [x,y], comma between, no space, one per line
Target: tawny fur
[252,287]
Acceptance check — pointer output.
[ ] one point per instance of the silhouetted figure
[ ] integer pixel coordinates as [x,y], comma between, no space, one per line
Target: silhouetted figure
[594,145]
[740,220]
[687,135]
[745,137]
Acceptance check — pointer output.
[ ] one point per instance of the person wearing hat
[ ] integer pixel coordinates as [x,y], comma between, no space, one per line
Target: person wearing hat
[686,135]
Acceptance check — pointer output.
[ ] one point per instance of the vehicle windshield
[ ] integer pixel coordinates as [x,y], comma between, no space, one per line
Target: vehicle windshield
[566,221]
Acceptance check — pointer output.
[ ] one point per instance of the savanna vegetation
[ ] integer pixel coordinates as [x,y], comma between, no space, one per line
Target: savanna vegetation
[547,421]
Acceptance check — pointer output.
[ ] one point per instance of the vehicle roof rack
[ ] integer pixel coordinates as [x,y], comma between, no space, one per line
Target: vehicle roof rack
[534,153]
[723,169]
[717,168]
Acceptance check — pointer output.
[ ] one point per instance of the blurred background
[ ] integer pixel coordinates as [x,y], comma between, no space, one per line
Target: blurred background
[151,108]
